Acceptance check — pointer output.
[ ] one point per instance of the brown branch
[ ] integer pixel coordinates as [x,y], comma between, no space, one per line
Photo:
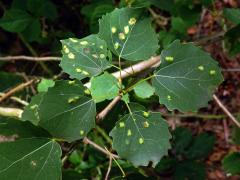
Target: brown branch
[11,112]
[109,168]
[16,89]
[96,146]
[226,111]
[29,58]
[108,108]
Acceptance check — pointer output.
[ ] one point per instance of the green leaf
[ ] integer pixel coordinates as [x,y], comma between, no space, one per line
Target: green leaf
[27,153]
[45,84]
[31,111]
[232,14]
[144,90]
[197,150]
[84,57]
[186,78]
[9,80]
[65,112]
[15,20]
[189,170]
[141,137]
[231,163]
[104,87]
[32,31]
[43,8]
[128,35]
[30,158]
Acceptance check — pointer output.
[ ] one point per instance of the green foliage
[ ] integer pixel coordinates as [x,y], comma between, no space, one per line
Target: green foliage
[104,87]
[232,15]
[84,57]
[186,77]
[9,80]
[135,137]
[144,90]
[128,35]
[27,154]
[45,84]
[231,163]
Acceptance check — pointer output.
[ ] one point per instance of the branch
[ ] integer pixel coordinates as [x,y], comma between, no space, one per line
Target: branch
[14,90]
[11,112]
[30,58]
[228,113]
[96,146]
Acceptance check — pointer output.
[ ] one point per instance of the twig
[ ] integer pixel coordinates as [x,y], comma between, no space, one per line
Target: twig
[29,58]
[16,99]
[96,146]
[14,90]
[225,110]
[11,112]
[109,168]
[108,108]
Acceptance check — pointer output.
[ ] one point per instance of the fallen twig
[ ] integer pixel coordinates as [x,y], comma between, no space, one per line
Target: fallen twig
[30,58]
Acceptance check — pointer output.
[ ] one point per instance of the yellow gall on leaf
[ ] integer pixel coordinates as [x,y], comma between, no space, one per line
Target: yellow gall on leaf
[78,70]
[85,73]
[169,97]
[129,132]
[146,124]
[169,58]
[83,42]
[116,45]
[132,21]
[81,132]
[95,56]
[113,30]
[126,29]
[145,114]
[87,91]
[101,47]
[73,40]
[102,56]
[141,140]
[212,72]
[121,124]
[121,36]
[65,49]
[201,68]
[71,56]
[71,82]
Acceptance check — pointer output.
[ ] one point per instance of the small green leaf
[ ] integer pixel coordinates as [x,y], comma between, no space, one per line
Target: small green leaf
[141,138]
[144,90]
[84,57]
[186,77]
[45,84]
[30,158]
[31,111]
[232,14]
[104,87]
[231,163]
[15,20]
[128,35]
[32,31]
[65,112]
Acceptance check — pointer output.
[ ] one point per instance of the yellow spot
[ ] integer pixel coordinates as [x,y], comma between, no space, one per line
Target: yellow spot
[78,70]
[145,124]
[65,49]
[140,140]
[129,132]
[101,47]
[126,29]
[81,132]
[34,106]
[87,91]
[169,58]
[73,40]
[121,124]
[121,36]
[95,56]
[146,114]
[85,73]
[201,68]
[71,100]
[83,42]
[212,72]
[71,56]
[33,163]
[169,97]
[102,56]
[116,45]
[127,142]
[114,30]
[71,82]
[132,21]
